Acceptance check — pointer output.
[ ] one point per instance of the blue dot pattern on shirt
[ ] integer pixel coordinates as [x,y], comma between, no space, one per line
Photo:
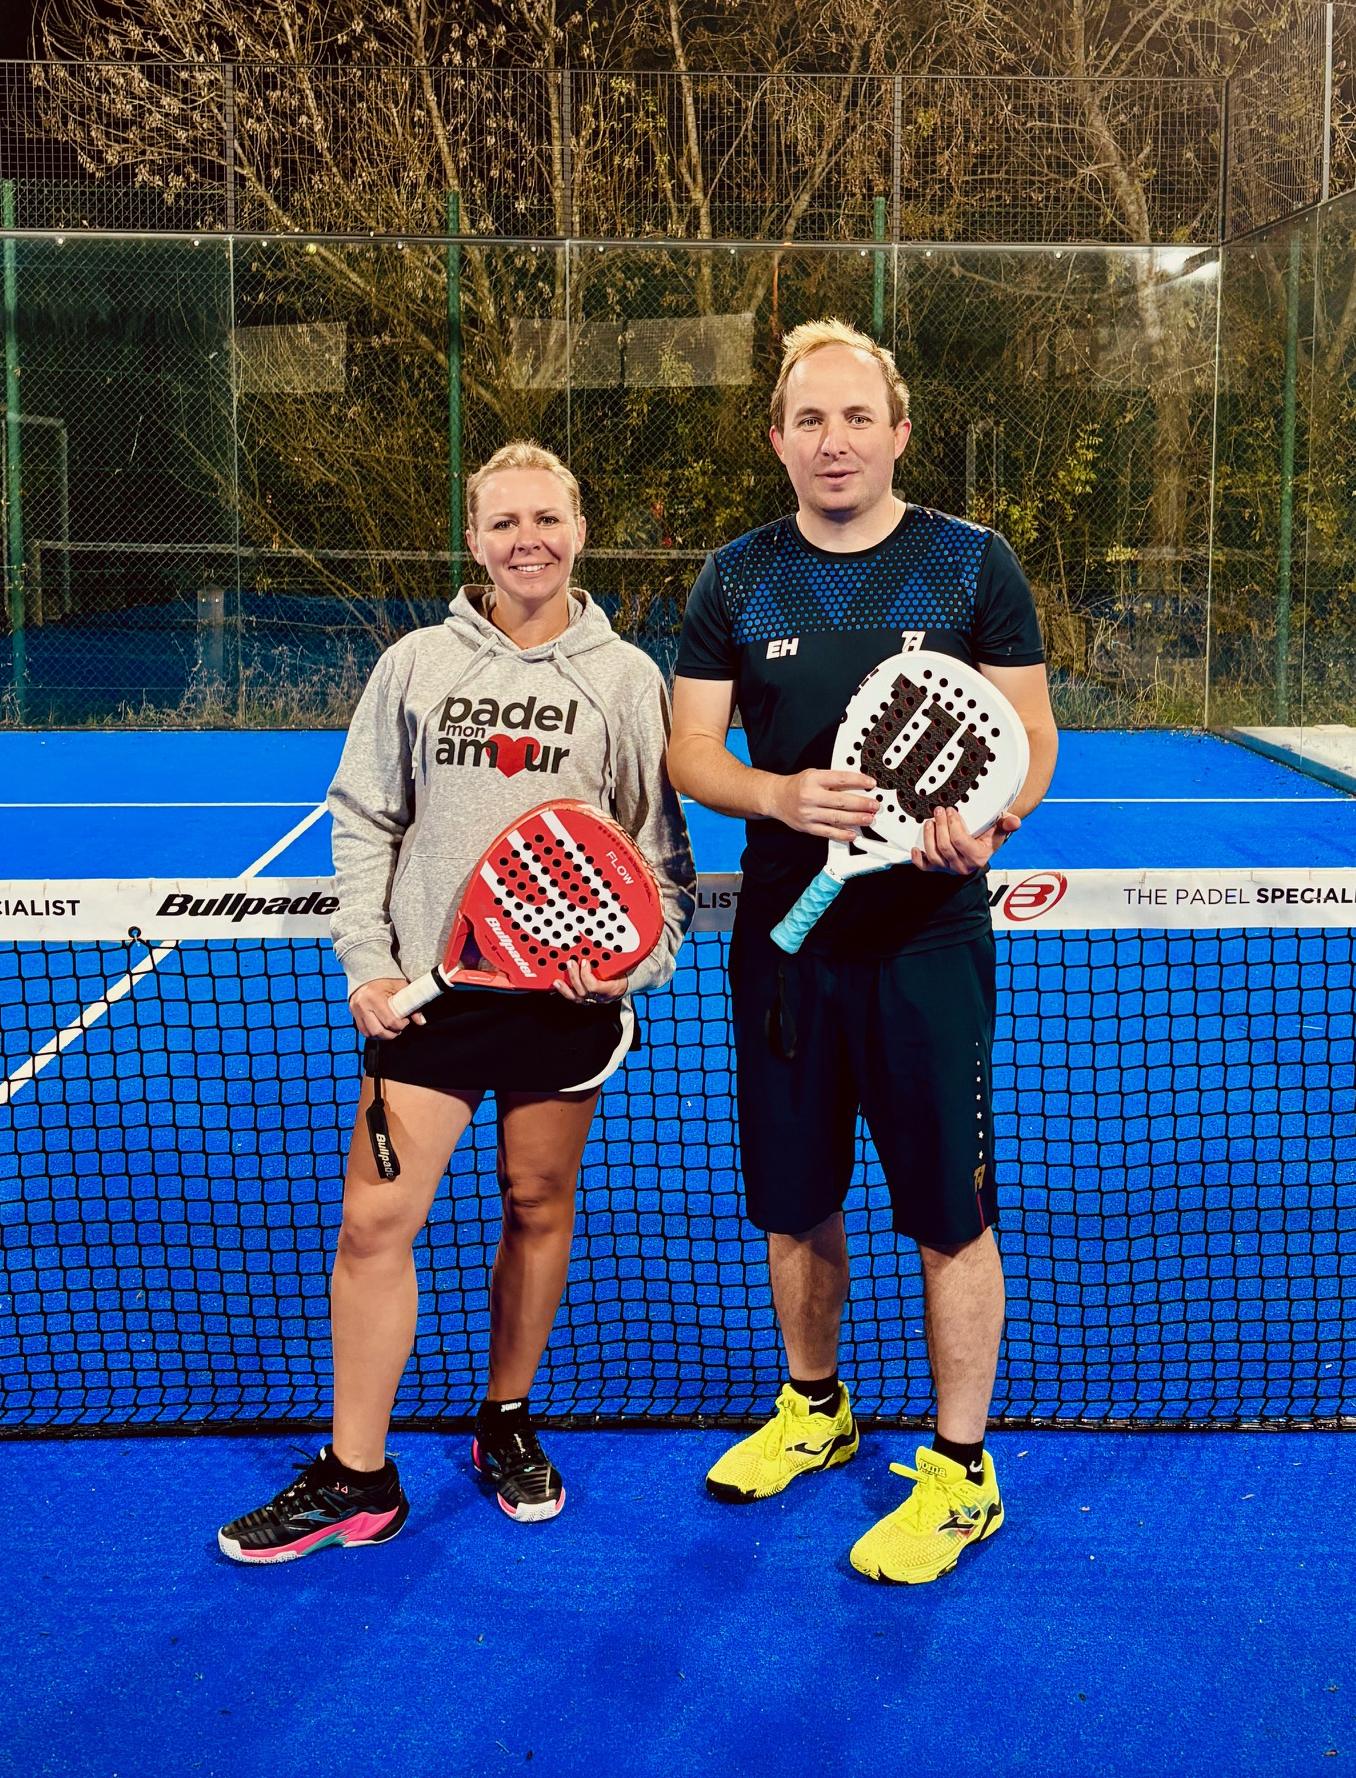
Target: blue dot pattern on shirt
[923,578]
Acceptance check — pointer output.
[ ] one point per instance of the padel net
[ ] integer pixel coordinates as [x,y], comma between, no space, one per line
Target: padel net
[1175,1106]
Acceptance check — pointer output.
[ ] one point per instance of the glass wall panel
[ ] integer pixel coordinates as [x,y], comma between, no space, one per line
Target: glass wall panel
[1258,598]
[238,465]
[1327,637]
[1065,398]
[118,440]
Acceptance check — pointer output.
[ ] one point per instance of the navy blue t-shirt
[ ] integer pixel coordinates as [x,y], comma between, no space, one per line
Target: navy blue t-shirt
[797,629]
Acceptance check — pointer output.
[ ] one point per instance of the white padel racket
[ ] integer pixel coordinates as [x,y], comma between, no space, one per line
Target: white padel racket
[934,733]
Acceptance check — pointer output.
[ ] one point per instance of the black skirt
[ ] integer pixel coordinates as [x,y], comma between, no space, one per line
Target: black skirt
[484,1039]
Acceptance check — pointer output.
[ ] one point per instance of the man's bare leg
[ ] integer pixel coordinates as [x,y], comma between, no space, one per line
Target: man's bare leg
[924,1537]
[964,1304]
[809,1287]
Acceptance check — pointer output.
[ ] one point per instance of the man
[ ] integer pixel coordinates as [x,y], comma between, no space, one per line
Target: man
[889,1007]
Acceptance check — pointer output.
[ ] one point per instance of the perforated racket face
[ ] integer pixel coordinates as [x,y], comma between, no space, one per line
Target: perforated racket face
[562,883]
[933,733]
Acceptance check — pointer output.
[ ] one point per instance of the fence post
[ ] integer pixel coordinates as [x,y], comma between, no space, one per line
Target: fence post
[455,521]
[1284,544]
[567,151]
[228,147]
[878,275]
[1225,150]
[1327,100]
[14,516]
[897,153]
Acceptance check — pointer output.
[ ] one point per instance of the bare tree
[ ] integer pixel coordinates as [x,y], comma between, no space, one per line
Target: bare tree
[325,118]
[764,124]
[1088,46]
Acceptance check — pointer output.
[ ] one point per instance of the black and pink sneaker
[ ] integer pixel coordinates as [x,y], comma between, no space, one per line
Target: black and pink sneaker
[507,1455]
[320,1508]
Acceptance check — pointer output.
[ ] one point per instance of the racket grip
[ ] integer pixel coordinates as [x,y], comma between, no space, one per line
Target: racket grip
[790,933]
[417,994]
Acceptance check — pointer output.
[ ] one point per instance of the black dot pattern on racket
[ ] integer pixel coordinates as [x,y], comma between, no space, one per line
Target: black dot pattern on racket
[934,733]
[563,883]
[550,887]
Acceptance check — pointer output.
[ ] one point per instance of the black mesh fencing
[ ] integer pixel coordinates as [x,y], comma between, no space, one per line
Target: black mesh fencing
[612,154]
[1176,1129]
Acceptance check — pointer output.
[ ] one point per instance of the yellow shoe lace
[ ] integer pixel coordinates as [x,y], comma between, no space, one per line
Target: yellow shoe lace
[931,1501]
[778,1430]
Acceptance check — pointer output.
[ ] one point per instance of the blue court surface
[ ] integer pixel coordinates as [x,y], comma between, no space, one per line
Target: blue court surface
[1156,1602]
[1158,1605]
[163,805]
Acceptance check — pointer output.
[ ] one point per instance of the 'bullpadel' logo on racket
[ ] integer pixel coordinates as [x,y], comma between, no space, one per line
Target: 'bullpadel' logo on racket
[1034,895]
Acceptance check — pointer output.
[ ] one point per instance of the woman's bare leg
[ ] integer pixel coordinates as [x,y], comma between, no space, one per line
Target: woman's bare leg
[541,1142]
[374,1297]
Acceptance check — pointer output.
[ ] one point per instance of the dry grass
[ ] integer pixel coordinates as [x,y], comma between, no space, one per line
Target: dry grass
[285,694]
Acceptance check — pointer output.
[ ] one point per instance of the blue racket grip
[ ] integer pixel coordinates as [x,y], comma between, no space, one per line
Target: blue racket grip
[790,933]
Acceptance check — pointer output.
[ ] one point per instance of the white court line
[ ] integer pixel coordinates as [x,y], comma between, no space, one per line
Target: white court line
[284,842]
[91,1014]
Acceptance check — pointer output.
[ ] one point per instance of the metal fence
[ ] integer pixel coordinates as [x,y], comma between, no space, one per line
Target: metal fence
[623,154]
[609,155]
[234,457]
[236,469]
[1279,115]
[1283,606]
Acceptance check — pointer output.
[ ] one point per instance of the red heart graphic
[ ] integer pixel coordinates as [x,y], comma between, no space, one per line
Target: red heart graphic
[512,755]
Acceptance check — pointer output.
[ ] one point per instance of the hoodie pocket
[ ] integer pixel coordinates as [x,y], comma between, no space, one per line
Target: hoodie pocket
[424,900]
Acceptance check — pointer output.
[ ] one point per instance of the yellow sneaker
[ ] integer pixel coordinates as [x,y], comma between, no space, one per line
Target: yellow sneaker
[945,1514]
[793,1443]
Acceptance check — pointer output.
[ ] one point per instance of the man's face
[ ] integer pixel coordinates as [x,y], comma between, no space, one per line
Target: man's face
[838,445]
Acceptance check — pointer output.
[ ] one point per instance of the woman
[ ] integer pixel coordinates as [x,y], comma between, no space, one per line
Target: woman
[521,695]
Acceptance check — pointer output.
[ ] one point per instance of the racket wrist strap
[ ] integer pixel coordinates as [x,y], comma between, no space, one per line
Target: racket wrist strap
[378,1134]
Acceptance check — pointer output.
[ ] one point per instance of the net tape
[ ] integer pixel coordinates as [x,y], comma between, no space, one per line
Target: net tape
[1175,1109]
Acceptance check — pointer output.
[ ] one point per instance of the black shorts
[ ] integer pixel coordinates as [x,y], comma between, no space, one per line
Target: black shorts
[483,1039]
[905,1040]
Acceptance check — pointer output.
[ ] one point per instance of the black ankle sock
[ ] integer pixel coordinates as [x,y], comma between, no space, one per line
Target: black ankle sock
[822,1396]
[355,1478]
[971,1456]
[495,1416]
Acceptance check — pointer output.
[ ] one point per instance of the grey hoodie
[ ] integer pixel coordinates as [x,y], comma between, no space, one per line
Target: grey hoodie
[458,732]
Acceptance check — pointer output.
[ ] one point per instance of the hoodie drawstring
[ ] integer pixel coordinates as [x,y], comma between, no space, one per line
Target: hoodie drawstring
[576,678]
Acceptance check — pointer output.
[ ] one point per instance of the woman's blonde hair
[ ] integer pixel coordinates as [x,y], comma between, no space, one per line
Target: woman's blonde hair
[522,453]
[810,336]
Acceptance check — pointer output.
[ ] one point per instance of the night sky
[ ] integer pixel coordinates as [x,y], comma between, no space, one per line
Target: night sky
[16,28]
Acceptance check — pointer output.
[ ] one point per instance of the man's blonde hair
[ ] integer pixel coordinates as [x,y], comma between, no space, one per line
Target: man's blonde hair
[521,453]
[810,336]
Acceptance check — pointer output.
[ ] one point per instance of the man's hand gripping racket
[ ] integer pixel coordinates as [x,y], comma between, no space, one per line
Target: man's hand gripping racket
[934,734]
[561,885]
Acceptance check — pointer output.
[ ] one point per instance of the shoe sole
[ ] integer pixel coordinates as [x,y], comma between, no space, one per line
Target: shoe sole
[918,1580]
[529,1513]
[363,1531]
[732,1496]
[532,1515]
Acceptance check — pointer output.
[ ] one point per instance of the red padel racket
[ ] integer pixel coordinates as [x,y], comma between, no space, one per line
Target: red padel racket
[561,882]
[934,733]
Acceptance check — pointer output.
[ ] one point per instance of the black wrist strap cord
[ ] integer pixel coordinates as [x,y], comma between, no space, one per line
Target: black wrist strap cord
[383,1149]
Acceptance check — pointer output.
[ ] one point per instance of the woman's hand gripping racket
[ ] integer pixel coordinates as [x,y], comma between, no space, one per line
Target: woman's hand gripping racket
[562,884]
[934,733]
